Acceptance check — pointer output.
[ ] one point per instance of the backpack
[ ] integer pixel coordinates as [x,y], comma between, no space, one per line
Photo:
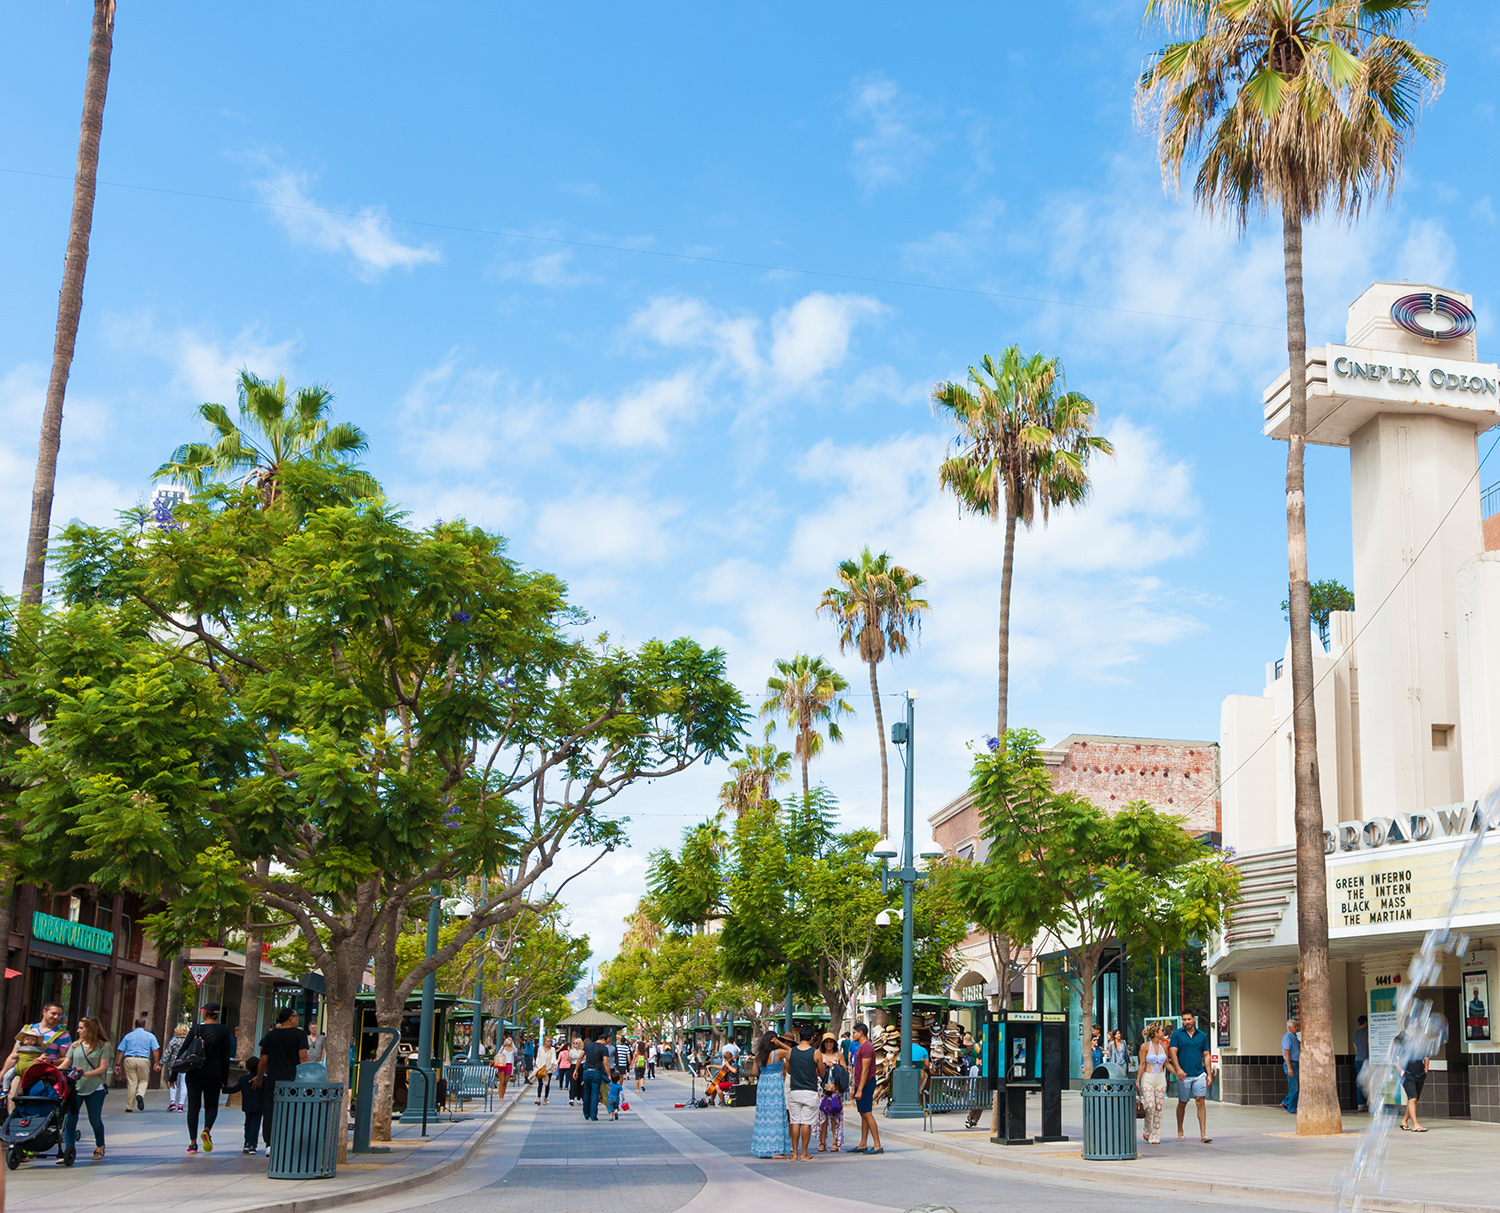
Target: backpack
[192,1056]
[840,1077]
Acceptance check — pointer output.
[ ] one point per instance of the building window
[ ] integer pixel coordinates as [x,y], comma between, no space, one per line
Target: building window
[966,851]
[1442,737]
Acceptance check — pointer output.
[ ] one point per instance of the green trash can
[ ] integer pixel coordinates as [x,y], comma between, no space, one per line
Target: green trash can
[1108,1119]
[305,1128]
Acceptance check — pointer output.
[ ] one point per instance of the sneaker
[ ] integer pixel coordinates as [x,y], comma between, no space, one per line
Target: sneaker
[193,1149]
[248,1150]
[140,1103]
[208,1143]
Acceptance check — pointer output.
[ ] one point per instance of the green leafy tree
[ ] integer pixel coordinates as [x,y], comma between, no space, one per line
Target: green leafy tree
[1301,109]
[752,776]
[806,693]
[417,711]
[876,608]
[1022,449]
[1323,598]
[273,429]
[1060,865]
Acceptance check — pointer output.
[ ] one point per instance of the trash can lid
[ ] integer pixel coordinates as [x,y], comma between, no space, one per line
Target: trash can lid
[312,1071]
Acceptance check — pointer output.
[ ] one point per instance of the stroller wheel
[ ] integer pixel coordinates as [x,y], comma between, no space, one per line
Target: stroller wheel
[13,1157]
[68,1156]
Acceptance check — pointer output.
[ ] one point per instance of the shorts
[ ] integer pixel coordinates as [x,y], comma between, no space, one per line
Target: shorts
[802,1107]
[1194,1086]
[1412,1084]
[865,1104]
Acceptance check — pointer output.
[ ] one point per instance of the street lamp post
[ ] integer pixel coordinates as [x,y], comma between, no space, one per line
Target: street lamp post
[906,1080]
[474,1024]
[429,1001]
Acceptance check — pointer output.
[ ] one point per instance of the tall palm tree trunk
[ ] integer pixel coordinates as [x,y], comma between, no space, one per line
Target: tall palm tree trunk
[885,772]
[1318,1104]
[70,299]
[1005,572]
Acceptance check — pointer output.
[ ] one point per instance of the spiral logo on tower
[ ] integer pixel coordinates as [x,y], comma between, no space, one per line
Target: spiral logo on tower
[1406,310]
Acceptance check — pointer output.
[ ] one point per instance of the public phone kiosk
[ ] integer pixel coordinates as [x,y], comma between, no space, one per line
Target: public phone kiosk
[1028,1051]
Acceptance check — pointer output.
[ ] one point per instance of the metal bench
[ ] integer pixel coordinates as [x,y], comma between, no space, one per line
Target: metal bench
[954,1093]
[470,1081]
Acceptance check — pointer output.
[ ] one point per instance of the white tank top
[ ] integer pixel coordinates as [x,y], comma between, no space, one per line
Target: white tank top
[1156,1059]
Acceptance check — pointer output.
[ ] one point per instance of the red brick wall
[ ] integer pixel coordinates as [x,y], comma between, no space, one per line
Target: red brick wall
[1172,777]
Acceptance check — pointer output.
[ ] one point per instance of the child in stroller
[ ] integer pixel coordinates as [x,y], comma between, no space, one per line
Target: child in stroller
[35,1127]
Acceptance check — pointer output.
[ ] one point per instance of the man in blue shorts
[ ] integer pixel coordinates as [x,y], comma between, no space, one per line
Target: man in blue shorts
[862,1086]
[1190,1059]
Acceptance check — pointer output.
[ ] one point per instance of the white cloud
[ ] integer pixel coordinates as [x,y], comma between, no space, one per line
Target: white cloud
[364,235]
[894,148]
[811,337]
[603,528]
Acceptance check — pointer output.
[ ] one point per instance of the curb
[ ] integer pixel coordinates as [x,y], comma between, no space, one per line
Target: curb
[383,1187]
[1117,1176]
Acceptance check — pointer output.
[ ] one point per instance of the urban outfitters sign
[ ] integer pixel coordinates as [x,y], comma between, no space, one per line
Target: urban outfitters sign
[50,929]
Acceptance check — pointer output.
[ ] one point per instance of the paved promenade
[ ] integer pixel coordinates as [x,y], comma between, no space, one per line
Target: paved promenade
[146,1167]
[659,1159]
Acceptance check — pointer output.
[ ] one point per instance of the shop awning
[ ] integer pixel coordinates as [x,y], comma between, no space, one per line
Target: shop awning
[591,1017]
[234,962]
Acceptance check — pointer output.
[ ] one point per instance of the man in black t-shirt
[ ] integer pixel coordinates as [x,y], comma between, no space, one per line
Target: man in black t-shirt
[282,1050]
[595,1067]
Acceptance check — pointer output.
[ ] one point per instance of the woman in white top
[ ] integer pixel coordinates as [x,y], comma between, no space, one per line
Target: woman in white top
[505,1064]
[1151,1081]
[546,1062]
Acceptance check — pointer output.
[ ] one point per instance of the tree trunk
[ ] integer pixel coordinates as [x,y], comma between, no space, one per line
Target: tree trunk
[885,771]
[249,1016]
[7,898]
[1005,571]
[1318,1104]
[70,298]
[1088,966]
[342,987]
[174,990]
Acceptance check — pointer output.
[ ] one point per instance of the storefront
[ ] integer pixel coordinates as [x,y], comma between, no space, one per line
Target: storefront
[92,957]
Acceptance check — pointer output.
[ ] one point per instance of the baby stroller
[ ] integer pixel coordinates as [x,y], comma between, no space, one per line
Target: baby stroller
[36,1126]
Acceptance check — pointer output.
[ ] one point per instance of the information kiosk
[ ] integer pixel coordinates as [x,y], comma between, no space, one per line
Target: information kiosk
[1028,1051]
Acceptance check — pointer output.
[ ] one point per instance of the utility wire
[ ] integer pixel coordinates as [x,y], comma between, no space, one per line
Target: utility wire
[695,258]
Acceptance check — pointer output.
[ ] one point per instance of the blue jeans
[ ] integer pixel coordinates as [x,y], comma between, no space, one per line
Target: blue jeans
[592,1080]
[1290,1102]
[93,1103]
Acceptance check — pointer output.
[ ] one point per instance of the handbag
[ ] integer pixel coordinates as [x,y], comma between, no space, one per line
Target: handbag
[191,1058]
[1140,1109]
[831,1104]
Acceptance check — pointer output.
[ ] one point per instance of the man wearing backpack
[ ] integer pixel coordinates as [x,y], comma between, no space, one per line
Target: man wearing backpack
[204,1061]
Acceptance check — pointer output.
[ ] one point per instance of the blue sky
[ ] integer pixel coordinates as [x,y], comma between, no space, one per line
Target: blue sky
[637,382]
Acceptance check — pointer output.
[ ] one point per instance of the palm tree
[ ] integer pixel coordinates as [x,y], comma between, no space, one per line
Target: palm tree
[272,431]
[1300,108]
[70,298]
[806,692]
[876,608]
[753,775]
[1023,449]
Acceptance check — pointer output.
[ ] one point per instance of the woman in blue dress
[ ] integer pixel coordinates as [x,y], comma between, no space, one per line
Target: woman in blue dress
[770,1138]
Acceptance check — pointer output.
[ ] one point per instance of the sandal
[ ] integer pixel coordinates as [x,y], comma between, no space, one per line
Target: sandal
[98,1153]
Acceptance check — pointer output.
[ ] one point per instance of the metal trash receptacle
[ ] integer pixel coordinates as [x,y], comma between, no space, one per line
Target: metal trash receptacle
[1109,1119]
[305,1124]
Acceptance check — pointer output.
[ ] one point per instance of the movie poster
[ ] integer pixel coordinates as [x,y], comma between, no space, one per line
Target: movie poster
[1477,1005]
[1221,1021]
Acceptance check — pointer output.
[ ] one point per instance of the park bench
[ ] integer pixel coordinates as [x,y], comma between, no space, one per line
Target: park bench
[954,1093]
[470,1081]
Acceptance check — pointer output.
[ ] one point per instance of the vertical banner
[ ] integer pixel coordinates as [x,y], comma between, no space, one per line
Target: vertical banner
[1221,1020]
[1477,1004]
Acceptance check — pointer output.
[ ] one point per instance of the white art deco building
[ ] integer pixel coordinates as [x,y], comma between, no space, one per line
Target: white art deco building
[1408,707]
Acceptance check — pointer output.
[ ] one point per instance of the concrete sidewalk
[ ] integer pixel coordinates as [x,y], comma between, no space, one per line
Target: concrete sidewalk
[146,1167]
[1255,1155]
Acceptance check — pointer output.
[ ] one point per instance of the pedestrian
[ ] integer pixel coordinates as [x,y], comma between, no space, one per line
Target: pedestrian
[805,1067]
[592,1069]
[768,1136]
[88,1062]
[1291,1063]
[731,1052]
[1413,1079]
[315,1043]
[27,1052]
[505,1064]
[54,1033]
[252,1104]
[546,1062]
[528,1053]
[640,1066]
[621,1053]
[207,1078]
[1096,1053]
[847,1045]
[1361,1061]
[831,1101]
[138,1051]
[564,1071]
[864,1092]
[1151,1081]
[1115,1052]
[1193,1065]
[651,1060]
[176,1080]
[282,1050]
[616,1093]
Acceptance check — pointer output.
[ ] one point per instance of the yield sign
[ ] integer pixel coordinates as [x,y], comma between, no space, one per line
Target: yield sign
[199,973]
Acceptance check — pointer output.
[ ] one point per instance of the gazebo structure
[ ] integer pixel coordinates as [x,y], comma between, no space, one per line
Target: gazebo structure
[591,1018]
